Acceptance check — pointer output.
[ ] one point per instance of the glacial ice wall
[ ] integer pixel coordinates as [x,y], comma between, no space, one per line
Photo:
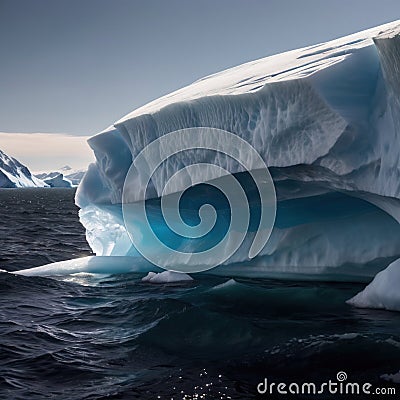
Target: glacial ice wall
[324,118]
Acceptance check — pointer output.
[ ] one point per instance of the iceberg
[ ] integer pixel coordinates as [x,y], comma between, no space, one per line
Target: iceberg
[69,175]
[13,174]
[58,181]
[325,119]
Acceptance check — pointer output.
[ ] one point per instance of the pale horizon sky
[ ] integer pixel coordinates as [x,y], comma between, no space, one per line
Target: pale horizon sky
[46,152]
[76,66]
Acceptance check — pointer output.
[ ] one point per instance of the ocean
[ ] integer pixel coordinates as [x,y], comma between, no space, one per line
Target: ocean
[115,337]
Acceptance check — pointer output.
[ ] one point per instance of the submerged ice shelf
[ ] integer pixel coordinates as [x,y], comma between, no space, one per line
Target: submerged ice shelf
[326,121]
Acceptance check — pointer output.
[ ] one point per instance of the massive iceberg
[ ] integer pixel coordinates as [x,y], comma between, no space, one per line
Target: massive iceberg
[326,121]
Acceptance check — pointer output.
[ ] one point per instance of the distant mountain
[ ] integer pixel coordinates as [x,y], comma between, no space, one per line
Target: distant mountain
[13,174]
[63,176]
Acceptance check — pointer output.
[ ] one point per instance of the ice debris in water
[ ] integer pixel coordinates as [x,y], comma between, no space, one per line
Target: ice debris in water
[166,277]
[395,378]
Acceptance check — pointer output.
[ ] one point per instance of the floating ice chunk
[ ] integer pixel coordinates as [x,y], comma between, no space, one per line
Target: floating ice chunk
[74,176]
[226,285]
[166,277]
[347,336]
[382,292]
[58,181]
[91,264]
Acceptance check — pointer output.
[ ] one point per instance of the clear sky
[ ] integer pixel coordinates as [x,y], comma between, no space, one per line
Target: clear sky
[75,66]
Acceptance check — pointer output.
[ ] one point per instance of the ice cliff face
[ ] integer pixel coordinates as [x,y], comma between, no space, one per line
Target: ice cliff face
[324,118]
[14,174]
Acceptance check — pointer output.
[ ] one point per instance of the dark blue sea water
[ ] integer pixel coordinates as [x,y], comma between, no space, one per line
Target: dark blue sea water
[115,337]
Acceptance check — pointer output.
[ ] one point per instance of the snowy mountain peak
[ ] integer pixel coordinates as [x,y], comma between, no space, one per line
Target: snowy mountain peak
[14,174]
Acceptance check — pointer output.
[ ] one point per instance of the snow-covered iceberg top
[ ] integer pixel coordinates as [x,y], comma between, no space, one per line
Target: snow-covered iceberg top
[254,75]
[327,105]
[324,118]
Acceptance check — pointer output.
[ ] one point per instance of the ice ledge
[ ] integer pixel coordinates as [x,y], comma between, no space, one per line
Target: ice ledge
[383,292]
